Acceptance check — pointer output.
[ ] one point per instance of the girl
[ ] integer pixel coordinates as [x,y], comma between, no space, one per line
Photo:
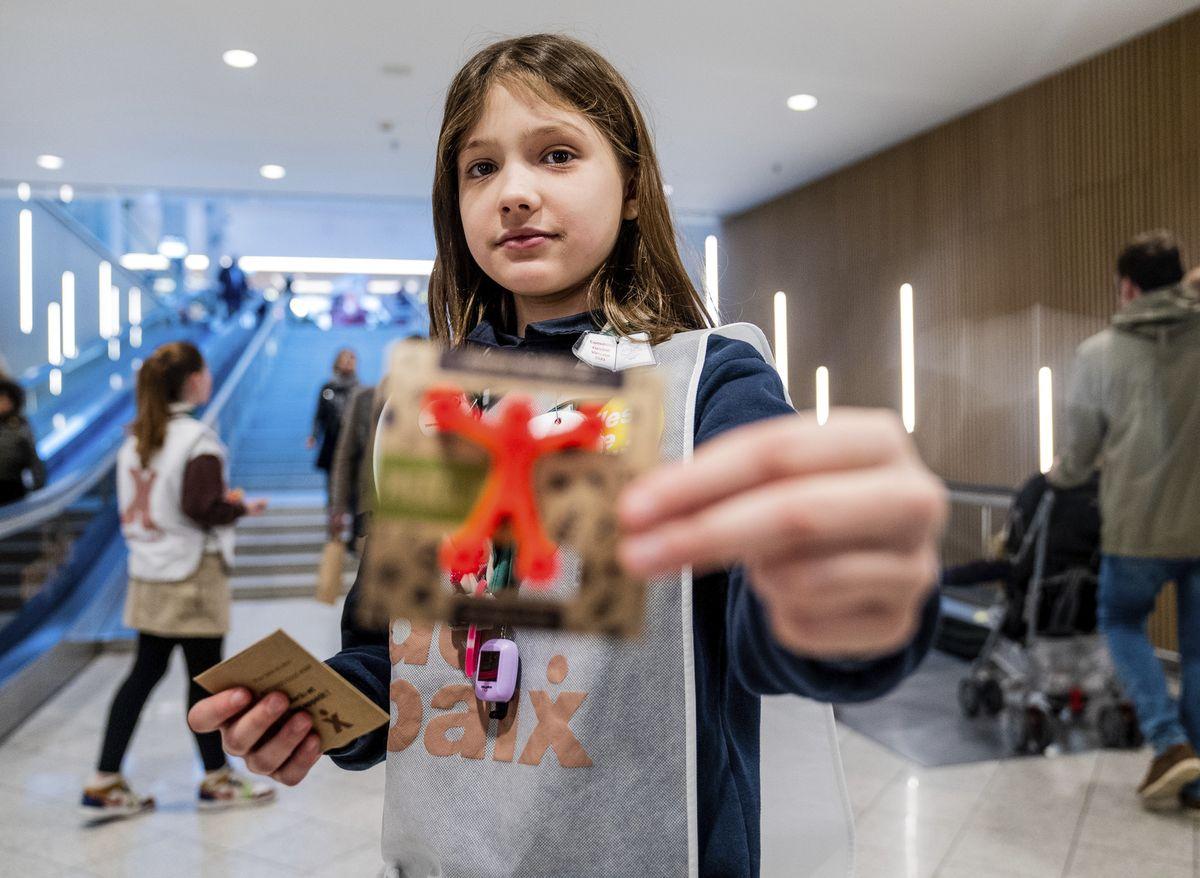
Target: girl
[176,516]
[813,547]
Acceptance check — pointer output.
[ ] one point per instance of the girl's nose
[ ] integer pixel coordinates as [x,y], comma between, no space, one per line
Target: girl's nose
[518,195]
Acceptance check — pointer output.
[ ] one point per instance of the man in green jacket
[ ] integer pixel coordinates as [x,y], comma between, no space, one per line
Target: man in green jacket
[1133,409]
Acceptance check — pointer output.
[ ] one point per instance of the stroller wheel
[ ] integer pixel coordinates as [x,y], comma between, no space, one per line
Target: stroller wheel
[1111,726]
[1029,730]
[969,700]
[1132,737]
[992,697]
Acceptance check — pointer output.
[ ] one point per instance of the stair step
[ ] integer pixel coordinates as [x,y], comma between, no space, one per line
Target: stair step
[268,543]
[285,585]
[291,562]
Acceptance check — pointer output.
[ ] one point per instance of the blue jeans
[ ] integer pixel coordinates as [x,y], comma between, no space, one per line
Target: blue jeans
[1128,589]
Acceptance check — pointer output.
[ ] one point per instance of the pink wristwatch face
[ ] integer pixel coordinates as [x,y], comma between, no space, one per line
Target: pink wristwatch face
[496,671]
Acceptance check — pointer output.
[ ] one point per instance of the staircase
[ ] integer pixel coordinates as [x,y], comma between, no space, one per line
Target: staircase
[278,553]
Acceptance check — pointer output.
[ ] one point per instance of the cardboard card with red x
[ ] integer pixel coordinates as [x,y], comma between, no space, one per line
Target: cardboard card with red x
[482,448]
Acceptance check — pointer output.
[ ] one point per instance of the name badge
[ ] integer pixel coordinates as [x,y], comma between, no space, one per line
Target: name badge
[615,353]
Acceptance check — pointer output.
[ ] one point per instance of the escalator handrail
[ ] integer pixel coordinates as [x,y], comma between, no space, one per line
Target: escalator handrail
[53,500]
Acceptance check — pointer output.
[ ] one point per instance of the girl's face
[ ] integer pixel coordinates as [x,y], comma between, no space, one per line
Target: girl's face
[197,389]
[541,196]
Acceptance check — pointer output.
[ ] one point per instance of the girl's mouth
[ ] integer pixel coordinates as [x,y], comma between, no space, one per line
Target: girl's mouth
[526,242]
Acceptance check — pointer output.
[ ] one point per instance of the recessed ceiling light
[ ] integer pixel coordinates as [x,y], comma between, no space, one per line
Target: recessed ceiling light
[66,193]
[49,162]
[801,103]
[240,58]
[272,172]
[23,191]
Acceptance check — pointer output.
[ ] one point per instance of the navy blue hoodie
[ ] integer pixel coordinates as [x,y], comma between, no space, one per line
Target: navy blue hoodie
[737,658]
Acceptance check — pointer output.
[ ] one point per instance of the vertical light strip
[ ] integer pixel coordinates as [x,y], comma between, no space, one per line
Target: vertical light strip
[781,344]
[104,294]
[711,278]
[1045,419]
[135,337]
[822,396]
[135,306]
[54,334]
[25,270]
[908,362]
[56,386]
[114,349]
[114,311]
[70,349]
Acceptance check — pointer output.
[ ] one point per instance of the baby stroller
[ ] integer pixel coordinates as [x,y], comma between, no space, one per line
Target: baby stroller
[1044,667]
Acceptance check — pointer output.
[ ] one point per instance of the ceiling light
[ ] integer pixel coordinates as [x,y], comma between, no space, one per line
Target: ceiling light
[49,162]
[240,58]
[272,172]
[196,262]
[66,193]
[172,247]
[801,103]
[23,191]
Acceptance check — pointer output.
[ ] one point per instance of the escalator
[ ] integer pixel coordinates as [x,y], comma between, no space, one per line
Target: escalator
[62,561]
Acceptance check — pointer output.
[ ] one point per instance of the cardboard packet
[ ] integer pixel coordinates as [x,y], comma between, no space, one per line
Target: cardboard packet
[340,713]
[429,482]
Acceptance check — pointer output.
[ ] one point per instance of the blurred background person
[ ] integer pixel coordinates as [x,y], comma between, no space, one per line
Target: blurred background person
[331,405]
[233,285]
[19,458]
[1133,410]
[176,517]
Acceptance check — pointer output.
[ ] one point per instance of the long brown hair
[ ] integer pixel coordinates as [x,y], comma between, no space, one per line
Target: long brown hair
[642,286]
[160,383]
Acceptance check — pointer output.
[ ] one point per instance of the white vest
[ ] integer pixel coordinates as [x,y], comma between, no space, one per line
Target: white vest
[594,771]
[164,544]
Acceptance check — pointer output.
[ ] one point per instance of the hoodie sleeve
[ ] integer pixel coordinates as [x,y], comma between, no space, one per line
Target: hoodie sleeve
[1086,424]
[737,387]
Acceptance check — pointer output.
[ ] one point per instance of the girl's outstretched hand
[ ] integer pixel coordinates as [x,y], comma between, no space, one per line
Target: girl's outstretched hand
[837,526]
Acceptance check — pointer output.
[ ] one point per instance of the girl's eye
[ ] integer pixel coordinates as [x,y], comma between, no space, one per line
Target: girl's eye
[559,156]
[480,169]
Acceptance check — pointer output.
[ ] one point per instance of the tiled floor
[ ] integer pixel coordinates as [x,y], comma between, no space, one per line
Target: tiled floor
[1069,816]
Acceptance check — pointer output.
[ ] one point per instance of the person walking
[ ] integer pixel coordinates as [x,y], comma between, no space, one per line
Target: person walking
[18,448]
[1133,410]
[331,405]
[176,517]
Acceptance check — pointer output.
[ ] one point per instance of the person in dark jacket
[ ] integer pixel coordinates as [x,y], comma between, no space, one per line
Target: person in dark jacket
[18,449]
[331,405]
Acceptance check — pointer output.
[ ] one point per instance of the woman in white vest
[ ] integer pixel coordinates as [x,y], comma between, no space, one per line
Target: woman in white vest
[177,518]
[702,748]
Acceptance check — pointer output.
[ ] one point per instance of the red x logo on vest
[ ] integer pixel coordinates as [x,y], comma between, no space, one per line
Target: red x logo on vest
[143,481]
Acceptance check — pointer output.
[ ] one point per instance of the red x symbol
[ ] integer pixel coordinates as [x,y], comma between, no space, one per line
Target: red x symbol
[143,481]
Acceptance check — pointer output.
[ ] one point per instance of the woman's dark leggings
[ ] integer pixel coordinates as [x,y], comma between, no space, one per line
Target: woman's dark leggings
[149,665]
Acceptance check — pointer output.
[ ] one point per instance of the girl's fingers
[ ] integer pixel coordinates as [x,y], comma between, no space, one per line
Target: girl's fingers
[209,714]
[816,588]
[301,762]
[242,735]
[271,754]
[779,448]
[868,630]
[883,508]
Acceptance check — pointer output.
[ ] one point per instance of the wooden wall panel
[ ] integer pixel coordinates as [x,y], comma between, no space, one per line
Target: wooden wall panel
[1006,222]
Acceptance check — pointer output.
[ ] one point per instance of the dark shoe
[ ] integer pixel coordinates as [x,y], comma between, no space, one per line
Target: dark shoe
[1170,772]
[1190,804]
